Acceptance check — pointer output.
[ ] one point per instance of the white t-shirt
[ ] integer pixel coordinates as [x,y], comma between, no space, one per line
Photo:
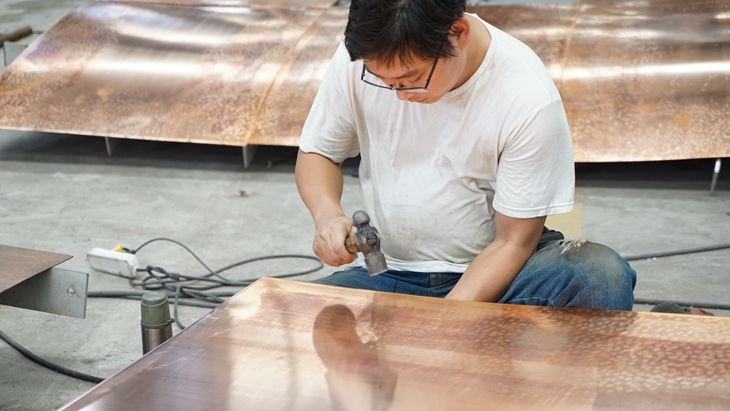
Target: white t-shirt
[432,175]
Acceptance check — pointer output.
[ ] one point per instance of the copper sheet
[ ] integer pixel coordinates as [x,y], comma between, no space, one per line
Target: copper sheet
[192,74]
[19,264]
[269,4]
[283,345]
[641,81]
[649,80]
[293,90]
[544,27]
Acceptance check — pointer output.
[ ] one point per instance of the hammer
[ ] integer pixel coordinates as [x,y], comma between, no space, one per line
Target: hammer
[367,241]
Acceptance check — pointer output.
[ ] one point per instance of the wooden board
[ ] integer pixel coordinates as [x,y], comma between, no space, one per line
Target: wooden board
[284,345]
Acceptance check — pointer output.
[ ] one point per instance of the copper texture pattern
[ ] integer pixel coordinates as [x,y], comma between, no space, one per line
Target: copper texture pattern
[284,345]
[544,27]
[268,4]
[20,264]
[649,80]
[191,74]
[646,80]
[292,92]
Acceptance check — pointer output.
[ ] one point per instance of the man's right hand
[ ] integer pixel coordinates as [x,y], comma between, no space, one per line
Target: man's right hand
[319,181]
[329,241]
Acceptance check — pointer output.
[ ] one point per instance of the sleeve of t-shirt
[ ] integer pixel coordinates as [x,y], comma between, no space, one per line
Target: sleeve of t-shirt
[535,175]
[330,128]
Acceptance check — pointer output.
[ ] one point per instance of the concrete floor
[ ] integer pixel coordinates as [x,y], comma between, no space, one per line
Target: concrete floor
[62,193]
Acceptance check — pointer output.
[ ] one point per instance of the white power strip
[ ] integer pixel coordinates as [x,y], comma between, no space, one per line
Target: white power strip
[113,262]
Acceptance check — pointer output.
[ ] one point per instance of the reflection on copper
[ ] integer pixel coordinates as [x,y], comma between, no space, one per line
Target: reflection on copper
[356,375]
[641,81]
[284,345]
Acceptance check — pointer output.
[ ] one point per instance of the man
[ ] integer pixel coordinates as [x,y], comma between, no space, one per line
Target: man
[465,149]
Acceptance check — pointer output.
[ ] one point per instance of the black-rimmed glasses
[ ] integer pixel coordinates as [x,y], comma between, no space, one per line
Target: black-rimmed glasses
[423,89]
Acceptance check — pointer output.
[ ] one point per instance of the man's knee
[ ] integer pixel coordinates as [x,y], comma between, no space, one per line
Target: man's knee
[607,279]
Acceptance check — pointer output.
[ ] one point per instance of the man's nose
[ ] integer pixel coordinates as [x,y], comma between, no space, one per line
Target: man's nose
[402,95]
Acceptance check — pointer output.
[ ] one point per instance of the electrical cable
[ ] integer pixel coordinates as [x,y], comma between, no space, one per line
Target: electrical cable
[184,286]
[180,287]
[677,252]
[697,304]
[48,364]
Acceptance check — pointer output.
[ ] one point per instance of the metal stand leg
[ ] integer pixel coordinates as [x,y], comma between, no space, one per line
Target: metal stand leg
[110,144]
[718,163]
[248,155]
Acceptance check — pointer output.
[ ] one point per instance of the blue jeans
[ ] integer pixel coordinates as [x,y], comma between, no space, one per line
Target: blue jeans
[563,273]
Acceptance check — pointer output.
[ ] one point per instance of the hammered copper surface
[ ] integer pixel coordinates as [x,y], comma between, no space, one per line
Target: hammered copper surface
[649,80]
[284,345]
[543,27]
[191,74]
[641,80]
[19,264]
[270,4]
[293,90]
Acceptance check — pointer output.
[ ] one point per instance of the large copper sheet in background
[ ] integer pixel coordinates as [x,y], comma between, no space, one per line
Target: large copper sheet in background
[283,345]
[191,74]
[649,80]
[286,107]
[544,27]
[646,80]
[321,4]
[19,264]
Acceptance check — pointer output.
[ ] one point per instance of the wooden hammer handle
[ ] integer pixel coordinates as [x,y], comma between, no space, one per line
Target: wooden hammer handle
[351,245]
[16,35]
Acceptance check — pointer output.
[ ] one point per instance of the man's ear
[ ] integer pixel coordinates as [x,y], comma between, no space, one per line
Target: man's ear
[460,29]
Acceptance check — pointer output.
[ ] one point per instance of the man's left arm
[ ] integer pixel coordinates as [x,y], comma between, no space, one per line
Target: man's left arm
[493,270]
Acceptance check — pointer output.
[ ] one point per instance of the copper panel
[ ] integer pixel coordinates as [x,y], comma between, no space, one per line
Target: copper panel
[544,27]
[19,264]
[641,80]
[269,4]
[649,80]
[293,90]
[192,74]
[283,345]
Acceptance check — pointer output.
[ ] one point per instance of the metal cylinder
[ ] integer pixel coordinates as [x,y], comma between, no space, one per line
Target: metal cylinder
[156,322]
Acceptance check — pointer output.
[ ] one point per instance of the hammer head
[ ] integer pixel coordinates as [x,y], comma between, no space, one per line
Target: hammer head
[368,242]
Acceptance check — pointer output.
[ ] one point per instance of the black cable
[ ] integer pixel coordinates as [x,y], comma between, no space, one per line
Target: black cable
[710,306]
[678,252]
[48,364]
[181,287]
[185,286]
[137,295]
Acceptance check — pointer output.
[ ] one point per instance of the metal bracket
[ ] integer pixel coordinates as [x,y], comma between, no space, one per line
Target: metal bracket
[55,291]
[248,152]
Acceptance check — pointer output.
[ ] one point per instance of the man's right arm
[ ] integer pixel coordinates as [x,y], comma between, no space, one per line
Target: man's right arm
[319,182]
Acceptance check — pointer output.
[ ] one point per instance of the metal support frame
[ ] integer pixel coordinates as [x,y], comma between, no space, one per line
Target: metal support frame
[111,143]
[715,174]
[248,152]
[55,291]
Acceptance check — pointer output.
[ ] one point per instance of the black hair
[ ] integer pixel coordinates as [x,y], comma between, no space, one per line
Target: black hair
[400,30]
